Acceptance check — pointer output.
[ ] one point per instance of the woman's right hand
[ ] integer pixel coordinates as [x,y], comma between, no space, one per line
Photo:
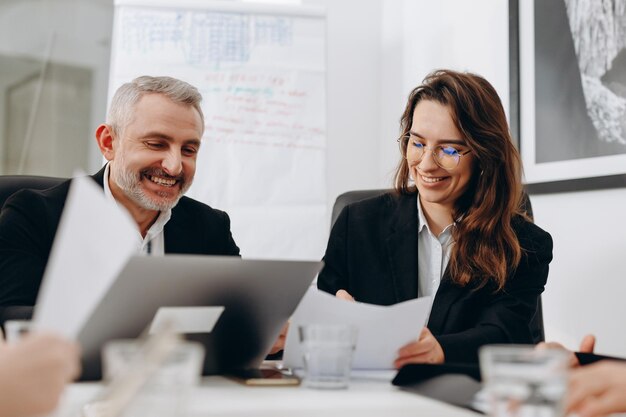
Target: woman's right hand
[344,295]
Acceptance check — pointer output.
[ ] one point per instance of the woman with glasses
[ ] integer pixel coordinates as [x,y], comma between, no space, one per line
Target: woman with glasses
[453,228]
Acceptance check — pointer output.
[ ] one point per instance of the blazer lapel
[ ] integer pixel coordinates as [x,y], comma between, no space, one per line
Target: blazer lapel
[447,294]
[98,177]
[178,237]
[401,245]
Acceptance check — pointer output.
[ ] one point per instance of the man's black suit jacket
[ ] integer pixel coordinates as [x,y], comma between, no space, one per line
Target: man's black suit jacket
[372,254]
[29,220]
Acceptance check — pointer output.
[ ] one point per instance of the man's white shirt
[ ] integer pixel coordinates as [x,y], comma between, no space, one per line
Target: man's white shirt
[154,242]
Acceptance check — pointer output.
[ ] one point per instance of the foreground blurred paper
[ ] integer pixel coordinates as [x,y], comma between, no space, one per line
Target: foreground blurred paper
[94,240]
[382,329]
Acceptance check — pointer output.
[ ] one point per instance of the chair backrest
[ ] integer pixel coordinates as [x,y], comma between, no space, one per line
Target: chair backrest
[349,197]
[357,195]
[9,184]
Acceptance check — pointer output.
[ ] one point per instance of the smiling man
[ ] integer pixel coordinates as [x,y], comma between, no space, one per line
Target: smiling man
[151,141]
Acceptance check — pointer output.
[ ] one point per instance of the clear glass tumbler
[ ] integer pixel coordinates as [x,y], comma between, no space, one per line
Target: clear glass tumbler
[166,393]
[327,352]
[523,381]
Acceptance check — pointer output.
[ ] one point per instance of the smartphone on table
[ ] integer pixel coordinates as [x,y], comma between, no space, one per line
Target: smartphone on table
[264,377]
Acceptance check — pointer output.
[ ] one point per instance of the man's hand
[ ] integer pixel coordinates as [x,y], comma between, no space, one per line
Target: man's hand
[424,350]
[279,344]
[33,373]
[597,390]
[587,345]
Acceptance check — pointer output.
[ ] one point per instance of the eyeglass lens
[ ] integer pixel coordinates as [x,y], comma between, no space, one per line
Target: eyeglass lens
[445,156]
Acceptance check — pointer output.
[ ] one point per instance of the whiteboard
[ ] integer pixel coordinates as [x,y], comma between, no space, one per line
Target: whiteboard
[261,70]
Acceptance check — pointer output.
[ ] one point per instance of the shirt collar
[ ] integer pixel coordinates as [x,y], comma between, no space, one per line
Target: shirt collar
[157,226]
[421,219]
[107,189]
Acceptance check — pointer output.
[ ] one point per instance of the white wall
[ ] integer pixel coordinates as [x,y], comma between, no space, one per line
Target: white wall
[586,286]
[353,86]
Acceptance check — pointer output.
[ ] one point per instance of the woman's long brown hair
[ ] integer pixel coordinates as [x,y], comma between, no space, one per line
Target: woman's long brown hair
[486,247]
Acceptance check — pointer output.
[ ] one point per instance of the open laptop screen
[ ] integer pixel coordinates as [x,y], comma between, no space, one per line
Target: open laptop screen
[258,297]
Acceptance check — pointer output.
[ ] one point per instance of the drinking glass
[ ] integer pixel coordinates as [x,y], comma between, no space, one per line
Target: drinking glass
[522,381]
[327,352]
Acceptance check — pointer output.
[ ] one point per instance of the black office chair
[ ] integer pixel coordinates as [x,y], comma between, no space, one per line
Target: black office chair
[358,195]
[10,184]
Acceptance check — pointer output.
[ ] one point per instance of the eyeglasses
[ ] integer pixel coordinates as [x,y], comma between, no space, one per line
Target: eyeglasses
[446,156]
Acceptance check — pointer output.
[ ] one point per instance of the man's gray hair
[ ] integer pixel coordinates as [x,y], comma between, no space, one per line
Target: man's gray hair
[126,97]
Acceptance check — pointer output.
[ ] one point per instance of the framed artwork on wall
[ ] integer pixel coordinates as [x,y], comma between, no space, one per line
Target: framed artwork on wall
[568,93]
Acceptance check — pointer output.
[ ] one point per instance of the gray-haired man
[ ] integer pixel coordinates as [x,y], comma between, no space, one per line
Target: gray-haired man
[151,141]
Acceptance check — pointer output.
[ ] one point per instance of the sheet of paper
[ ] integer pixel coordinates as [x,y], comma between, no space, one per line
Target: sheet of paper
[94,240]
[187,319]
[382,330]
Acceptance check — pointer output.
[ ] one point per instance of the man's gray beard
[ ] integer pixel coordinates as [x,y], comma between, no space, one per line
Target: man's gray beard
[130,183]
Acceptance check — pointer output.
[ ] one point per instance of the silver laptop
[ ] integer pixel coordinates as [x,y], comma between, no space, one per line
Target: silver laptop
[258,297]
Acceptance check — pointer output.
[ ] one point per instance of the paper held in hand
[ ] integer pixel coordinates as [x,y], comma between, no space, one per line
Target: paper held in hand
[94,240]
[382,330]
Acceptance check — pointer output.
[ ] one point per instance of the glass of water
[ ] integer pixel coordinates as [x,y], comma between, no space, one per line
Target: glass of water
[522,381]
[167,391]
[327,353]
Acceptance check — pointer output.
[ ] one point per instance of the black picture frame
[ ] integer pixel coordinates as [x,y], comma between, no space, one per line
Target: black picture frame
[517,114]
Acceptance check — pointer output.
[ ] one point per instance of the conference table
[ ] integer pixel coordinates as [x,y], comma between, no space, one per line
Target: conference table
[369,394]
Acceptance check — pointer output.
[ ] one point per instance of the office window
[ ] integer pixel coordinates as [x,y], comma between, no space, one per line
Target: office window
[54,75]
[54,65]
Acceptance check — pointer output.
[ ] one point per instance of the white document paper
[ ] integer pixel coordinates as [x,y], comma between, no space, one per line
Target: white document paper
[94,240]
[382,330]
[187,319]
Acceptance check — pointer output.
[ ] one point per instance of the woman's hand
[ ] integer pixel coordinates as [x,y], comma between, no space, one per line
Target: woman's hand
[424,350]
[344,295]
[279,344]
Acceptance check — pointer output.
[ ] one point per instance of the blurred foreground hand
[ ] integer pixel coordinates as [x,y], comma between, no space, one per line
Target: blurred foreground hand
[597,390]
[33,373]
[587,345]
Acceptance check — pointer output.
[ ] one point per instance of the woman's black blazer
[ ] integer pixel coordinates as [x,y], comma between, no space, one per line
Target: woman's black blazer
[372,254]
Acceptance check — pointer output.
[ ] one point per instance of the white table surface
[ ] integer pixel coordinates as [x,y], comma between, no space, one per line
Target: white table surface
[369,394]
